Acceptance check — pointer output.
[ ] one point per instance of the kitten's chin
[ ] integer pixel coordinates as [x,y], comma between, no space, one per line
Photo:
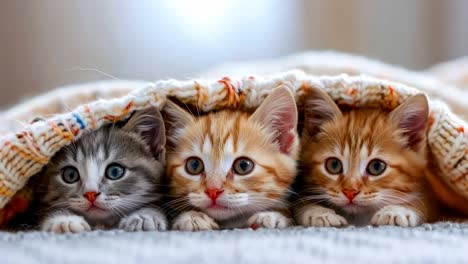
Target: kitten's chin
[221,212]
[355,208]
[96,213]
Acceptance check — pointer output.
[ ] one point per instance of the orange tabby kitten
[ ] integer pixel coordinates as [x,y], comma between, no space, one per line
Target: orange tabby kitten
[363,166]
[231,169]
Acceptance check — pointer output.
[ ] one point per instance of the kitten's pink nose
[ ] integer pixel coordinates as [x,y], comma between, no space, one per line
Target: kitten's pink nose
[350,194]
[91,196]
[214,193]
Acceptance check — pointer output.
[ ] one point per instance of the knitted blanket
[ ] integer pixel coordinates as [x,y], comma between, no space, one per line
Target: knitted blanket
[26,148]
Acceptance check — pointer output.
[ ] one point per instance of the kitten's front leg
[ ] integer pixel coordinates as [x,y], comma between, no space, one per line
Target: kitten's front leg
[397,215]
[194,221]
[271,219]
[64,222]
[145,219]
[319,216]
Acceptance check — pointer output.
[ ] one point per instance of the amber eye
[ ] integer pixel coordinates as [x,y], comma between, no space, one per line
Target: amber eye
[376,167]
[70,175]
[243,166]
[334,166]
[194,166]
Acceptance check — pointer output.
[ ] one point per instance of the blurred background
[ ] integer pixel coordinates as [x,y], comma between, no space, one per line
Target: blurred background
[49,43]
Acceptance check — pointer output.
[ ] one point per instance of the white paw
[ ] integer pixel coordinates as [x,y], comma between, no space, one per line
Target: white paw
[319,216]
[146,219]
[397,216]
[269,220]
[65,224]
[194,221]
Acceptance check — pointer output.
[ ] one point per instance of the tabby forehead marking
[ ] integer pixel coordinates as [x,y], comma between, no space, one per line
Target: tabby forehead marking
[93,174]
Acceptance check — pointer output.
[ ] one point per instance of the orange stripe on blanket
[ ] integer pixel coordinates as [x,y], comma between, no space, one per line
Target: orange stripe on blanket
[26,155]
[125,112]
[67,135]
[5,191]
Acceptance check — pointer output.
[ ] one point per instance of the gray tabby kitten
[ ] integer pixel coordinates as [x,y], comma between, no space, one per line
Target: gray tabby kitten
[108,178]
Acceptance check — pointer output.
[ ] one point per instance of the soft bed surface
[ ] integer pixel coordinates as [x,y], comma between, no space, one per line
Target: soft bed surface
[436,243]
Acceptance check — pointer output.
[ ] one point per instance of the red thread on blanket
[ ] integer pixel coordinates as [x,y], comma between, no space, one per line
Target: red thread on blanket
[232,96]
[90,116]
[351,91]
[392,98]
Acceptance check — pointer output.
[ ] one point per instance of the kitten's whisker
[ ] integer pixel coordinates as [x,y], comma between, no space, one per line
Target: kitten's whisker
[58,205]
[117,211]
[180,208]
[268,202]
[178,200]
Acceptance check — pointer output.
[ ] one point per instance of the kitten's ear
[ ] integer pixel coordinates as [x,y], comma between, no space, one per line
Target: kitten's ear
[318,109]
[278,113]
[175,119]
[412,117]
[149,124]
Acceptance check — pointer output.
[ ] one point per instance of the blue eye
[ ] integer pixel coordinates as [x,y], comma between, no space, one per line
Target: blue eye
[334,166]
[194,166]
[243,166]
[115,172]
[70,175]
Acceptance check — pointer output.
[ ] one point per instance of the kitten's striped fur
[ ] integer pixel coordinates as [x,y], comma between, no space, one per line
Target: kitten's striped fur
[127,202]
[357,138]
[267,137]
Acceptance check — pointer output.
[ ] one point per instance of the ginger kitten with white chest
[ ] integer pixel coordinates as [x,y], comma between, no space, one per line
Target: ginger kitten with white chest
[363,166]
[231,169]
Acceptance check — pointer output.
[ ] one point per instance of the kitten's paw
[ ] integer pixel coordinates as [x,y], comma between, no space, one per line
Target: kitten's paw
[397,216]
[319,216]
[269,220]
[65,224]
[146,219]
[194,221]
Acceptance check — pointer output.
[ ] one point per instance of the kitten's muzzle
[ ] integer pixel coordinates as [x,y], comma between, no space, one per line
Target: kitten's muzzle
[214,194]
[350,194]
[91,196]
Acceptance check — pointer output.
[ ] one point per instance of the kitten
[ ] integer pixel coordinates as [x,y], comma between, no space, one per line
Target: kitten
[231,169]
[107,178]
[363,166]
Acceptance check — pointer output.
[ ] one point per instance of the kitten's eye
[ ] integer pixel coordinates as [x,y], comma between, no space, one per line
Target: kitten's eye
[194,166]
[70,175]
[334,166]
[115,171]
[243,166]
[376,167]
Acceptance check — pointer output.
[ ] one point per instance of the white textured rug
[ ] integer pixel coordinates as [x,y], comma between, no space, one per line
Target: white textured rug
[438,243]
